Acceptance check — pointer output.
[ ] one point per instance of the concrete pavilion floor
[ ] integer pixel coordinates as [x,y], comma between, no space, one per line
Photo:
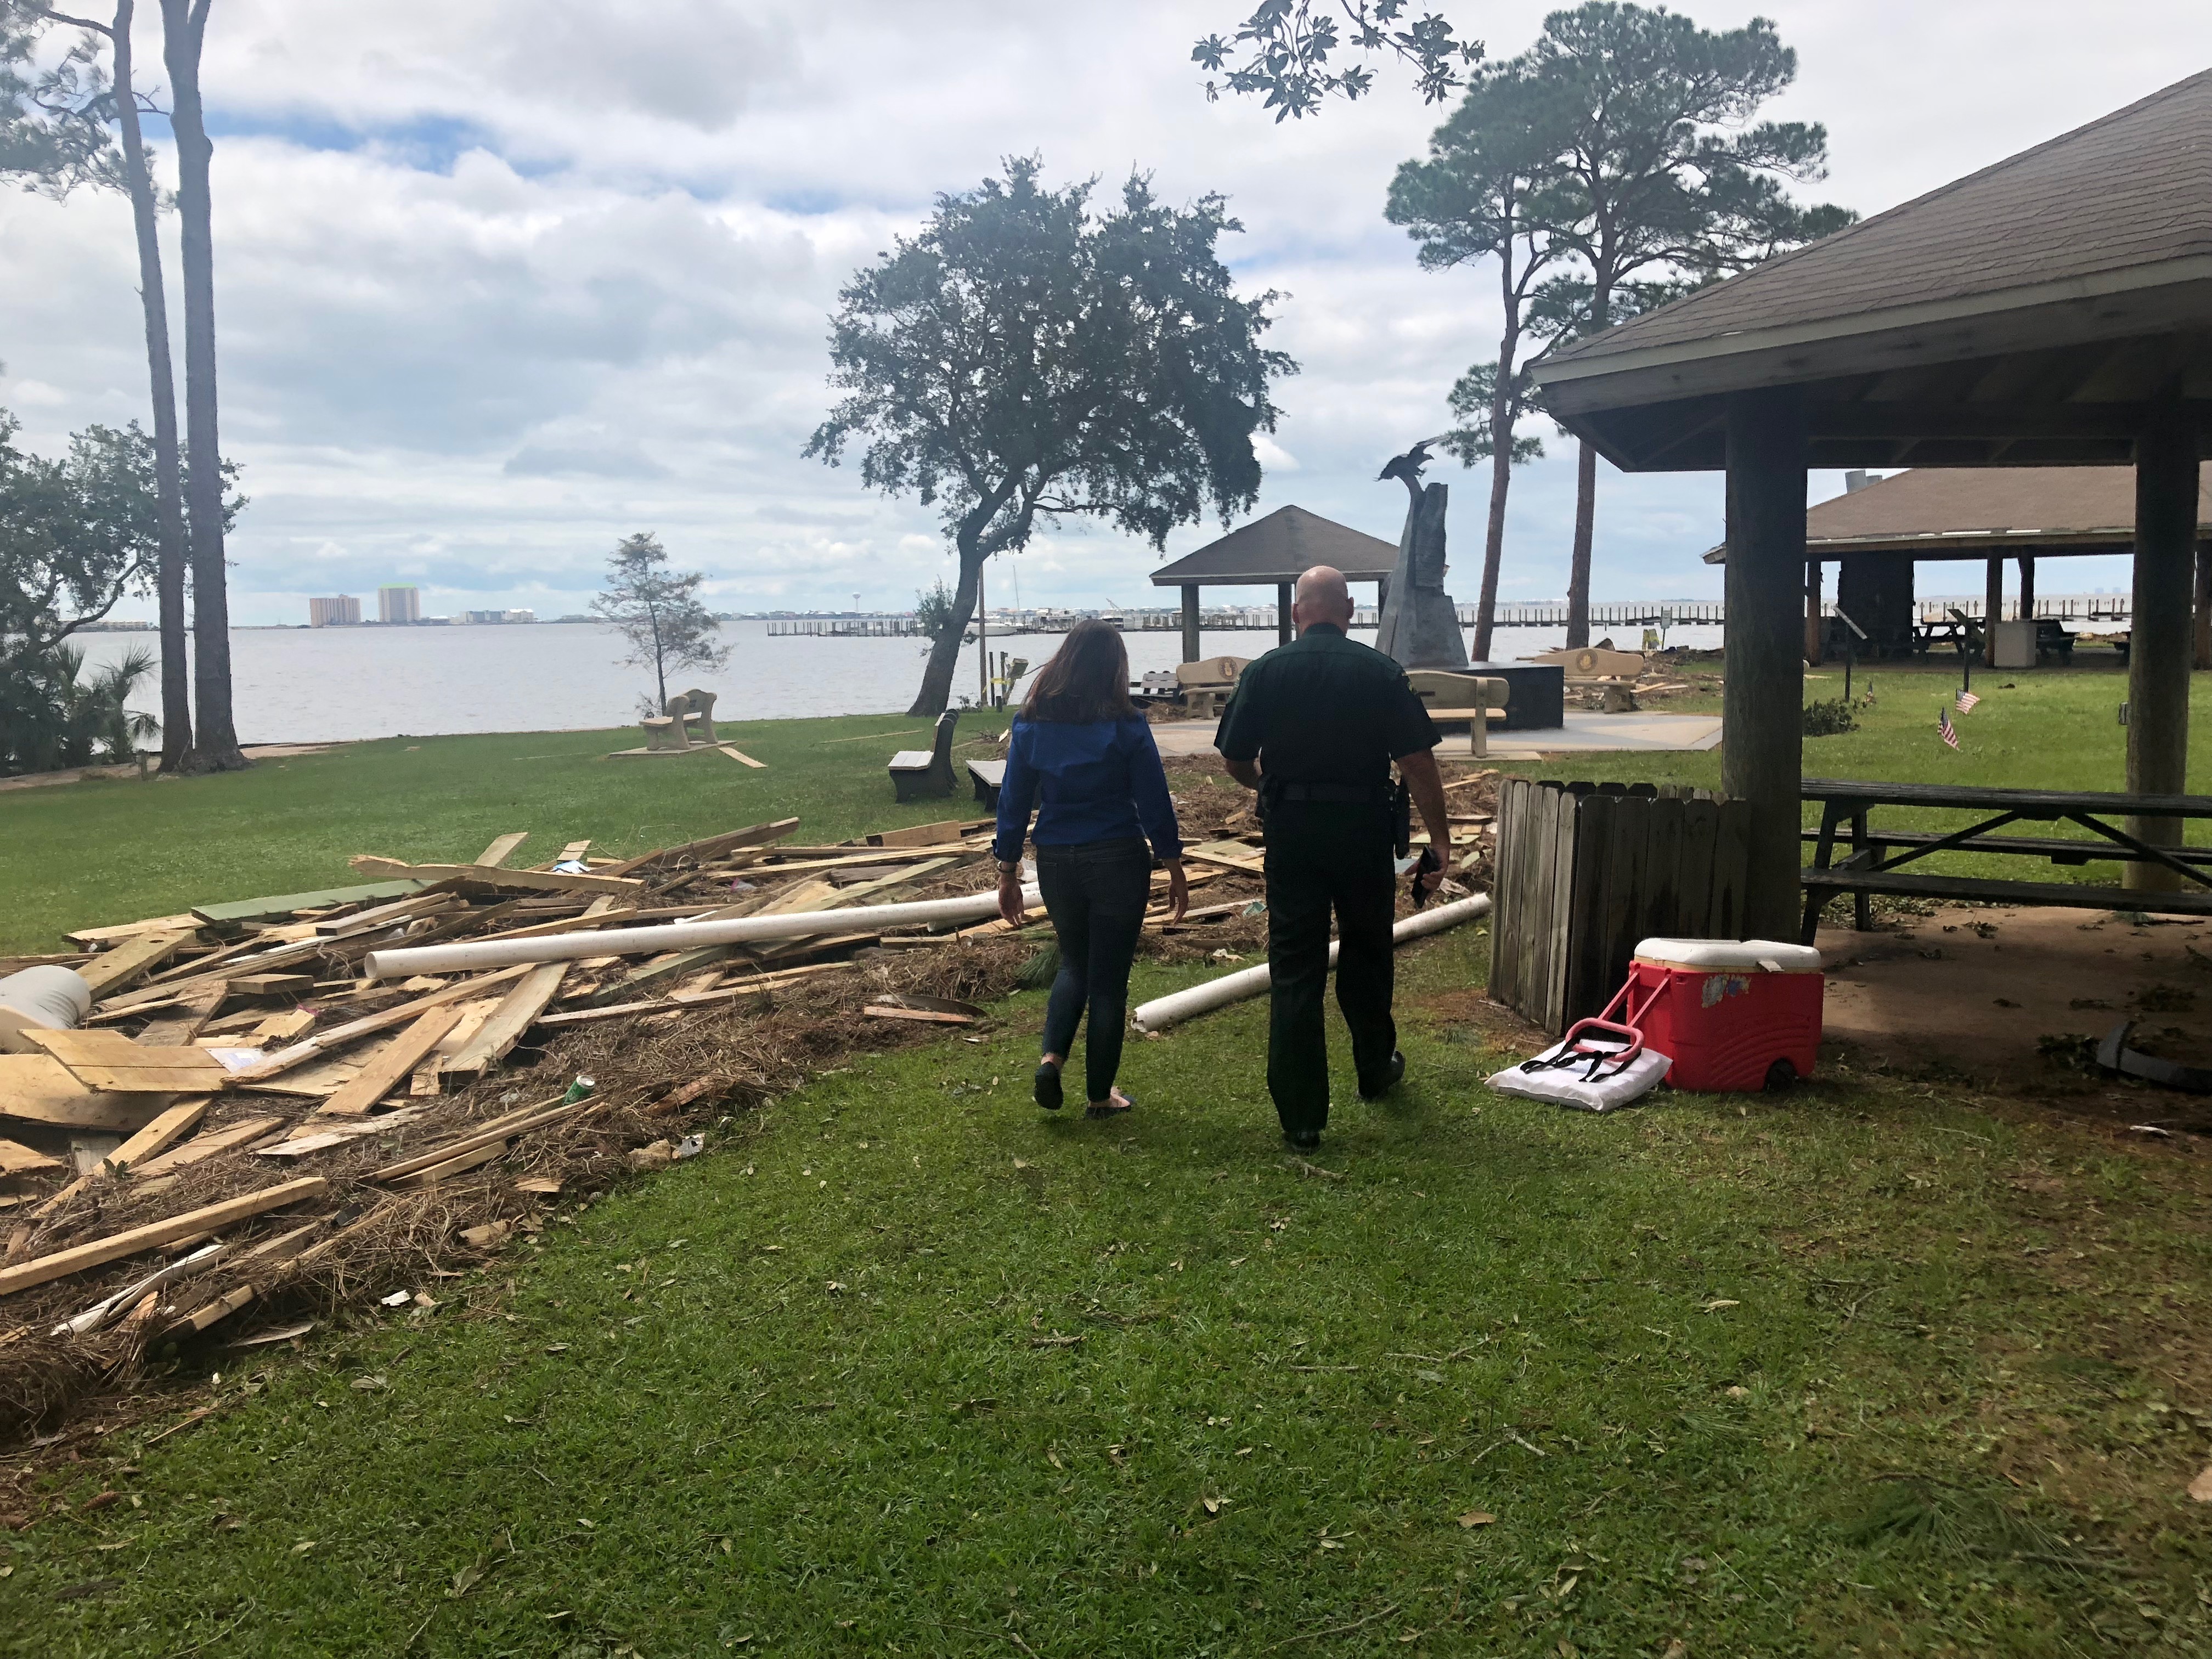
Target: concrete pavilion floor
[1583,733]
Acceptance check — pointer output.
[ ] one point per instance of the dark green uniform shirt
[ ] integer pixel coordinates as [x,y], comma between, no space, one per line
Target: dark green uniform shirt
[1324,710]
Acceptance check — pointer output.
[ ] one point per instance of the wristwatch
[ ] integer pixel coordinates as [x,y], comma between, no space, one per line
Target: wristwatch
[1007,867]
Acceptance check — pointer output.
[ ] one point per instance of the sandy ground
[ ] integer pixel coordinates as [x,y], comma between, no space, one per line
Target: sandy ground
[1989,997]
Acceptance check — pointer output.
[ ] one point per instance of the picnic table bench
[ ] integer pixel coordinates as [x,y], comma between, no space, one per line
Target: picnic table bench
[1846,804]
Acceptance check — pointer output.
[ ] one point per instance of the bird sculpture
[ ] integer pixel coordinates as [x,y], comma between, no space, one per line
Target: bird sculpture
[1407,468]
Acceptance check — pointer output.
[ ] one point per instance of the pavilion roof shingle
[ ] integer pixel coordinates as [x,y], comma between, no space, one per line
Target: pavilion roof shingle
[1279,548]
[2131,190]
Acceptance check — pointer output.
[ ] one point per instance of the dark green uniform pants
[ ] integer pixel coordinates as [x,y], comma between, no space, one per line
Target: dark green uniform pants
[1325,856]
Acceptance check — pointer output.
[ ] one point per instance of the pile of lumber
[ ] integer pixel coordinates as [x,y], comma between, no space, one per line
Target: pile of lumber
[251,1120]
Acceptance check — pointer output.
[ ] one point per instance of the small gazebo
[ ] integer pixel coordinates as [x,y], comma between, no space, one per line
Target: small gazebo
[2052,310]
[1274,551]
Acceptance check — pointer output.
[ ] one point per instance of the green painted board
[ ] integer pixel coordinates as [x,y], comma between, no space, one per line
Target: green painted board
[255,910]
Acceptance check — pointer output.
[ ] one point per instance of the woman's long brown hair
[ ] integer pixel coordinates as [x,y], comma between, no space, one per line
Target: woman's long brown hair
[1087,679]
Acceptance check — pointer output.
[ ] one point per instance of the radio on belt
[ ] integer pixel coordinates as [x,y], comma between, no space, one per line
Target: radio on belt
[1734,1014]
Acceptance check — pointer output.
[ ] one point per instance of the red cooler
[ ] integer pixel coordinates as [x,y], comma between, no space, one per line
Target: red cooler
[1733,1013]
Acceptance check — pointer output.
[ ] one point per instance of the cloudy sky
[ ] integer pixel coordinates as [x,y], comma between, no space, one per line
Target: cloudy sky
[500,282]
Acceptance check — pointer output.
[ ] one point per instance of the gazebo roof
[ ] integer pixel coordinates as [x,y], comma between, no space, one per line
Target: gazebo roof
[1996,321]
[1974,513]
[1281,548]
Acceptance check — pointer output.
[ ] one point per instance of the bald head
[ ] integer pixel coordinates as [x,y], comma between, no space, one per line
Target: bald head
[1321,597]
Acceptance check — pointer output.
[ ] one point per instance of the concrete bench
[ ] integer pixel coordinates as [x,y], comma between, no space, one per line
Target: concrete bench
[1452,699]
[989,776]
[922,773]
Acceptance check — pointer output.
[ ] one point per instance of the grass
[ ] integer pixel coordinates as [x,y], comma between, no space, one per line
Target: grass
[903,1365]
[906,1367]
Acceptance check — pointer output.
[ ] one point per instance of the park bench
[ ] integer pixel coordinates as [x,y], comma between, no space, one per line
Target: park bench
[693,711]
[1208,683]
[1600,668]
[989,777]
[1846,804]
[1452,699]
[919,774]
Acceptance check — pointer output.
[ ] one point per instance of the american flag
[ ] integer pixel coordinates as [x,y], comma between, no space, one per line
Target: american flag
[1966,701]
[1950,734]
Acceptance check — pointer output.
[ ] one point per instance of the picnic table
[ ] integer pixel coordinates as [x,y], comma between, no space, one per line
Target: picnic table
[1873,862]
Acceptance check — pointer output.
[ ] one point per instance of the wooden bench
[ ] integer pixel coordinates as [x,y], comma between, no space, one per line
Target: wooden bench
[1845,804]
[920,774]
[989,777]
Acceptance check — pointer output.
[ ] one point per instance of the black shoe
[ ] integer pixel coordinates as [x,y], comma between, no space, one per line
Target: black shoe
[1306,1140]
[1046,1087]
[1391,1073]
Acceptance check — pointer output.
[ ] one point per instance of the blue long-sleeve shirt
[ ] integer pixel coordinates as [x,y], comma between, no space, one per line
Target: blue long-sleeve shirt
[1089,781]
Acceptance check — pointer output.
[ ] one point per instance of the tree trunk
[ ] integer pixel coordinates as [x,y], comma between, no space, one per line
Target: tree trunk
[1501,478]
[215,749]
[1578,570]
[168,486]
[945,651]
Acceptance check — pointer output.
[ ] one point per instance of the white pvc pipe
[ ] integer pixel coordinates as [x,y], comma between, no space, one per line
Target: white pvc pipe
[465,956]
[1179,1006]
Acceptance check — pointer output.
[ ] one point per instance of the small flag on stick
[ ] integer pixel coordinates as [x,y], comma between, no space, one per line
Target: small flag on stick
[1944,726]
[1966,701]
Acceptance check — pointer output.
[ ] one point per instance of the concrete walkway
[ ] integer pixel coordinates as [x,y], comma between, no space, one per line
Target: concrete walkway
[1583,733]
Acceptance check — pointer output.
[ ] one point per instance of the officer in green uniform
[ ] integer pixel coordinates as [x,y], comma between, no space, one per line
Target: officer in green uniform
[1313,726]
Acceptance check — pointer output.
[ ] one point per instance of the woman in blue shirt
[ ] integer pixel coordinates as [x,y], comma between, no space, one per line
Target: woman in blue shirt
[1083,758]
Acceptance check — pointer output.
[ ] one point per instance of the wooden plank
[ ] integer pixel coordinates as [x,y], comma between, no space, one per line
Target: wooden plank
[1233,854]
[2064,894]
[280,1028]
[165,1131]
[195,1008]
[710,846]
[518,1011]
[743,758]
[112,970]
[427,1079]
[529,881]
[1701,835]
[427,901]
[15,1159]
[923,1016]
[203,1147]
[1502,953]
[1566,833]
[500,850]
[272,985]
[1731,869]
[91,938]
[573,852]
[1663,869]
[338,1035]
[1624,892]
[384,1070]
[36,1088]
[455,1165]
[111,1062]
[324,1136]
[720,996]
[919,835]
[208,1218]
[494,1134]
[2029,803]
[283,904]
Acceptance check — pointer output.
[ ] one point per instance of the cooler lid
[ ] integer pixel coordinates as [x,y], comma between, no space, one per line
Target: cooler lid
[1730,956]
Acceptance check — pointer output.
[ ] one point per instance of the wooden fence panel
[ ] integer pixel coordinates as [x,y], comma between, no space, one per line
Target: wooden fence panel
[1731,859]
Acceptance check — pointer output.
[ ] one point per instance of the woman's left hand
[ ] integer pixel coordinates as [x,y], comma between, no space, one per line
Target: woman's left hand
[1010,897]
[1178,891]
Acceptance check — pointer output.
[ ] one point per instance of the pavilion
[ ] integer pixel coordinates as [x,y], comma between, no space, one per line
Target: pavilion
[2052,310]
[1879,529]
[1274,551]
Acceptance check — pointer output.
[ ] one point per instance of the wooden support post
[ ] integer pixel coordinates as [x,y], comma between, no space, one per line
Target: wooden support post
[2027,587]
[1992,611]
[1190,647]
[2158,653]
[1284,632]
[1762,756]
[2204,605]
[1812,652]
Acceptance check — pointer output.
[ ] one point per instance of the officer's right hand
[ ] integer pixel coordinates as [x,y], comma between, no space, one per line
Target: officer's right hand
[1432,879]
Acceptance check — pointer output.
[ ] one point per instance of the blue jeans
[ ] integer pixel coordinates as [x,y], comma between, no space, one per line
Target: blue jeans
[1095,892]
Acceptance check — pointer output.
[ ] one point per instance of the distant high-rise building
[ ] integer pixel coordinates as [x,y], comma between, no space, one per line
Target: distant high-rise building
[398,604]
[518,616]
[343,608]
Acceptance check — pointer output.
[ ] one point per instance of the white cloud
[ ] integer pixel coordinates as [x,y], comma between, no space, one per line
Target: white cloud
[500,283]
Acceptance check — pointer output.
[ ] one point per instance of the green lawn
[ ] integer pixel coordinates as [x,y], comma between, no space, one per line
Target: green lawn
[903,1365]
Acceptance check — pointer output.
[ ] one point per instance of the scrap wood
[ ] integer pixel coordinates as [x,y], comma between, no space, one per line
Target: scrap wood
[300,1052]
[206,1146]
[285,904]
[164,1132]
[108,1306]
[152,1236]
[37,1088]
[699,852]
[271,985]
[313,1136]
[383,1071]
[515,1015]
[699,1088]
[195,1008]
[16,1158]
[925,834]
[757,985]
[438,896]
[502,850]
[111,1062]
[923,1016]
[112,970]
[739,755]
[532,881]
[89,939]
[456,1164]
[498,1131]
